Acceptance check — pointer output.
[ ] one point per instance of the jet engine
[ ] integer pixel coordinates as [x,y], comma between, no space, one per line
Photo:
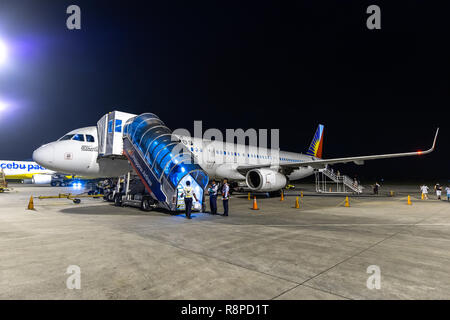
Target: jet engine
[41,178]
[265,180]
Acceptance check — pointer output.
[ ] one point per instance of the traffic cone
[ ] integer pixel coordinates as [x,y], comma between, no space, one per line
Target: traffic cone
[255,205]
[31,204]
[347,204]
[282,196]
[392,193]
[301,194]
[330,189]
[422,196]
[249,196]
[297,204]
[409,200]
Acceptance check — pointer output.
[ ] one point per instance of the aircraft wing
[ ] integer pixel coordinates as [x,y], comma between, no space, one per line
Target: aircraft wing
[318,163]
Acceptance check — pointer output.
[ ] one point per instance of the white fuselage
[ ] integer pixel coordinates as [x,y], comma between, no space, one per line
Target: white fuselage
[219,160]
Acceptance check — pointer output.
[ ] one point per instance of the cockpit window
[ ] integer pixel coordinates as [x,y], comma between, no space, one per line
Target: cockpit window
[78,137]
[66,137]
[90,138]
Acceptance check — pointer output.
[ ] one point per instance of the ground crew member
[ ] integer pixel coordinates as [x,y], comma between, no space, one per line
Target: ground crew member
[213,197]
[225,197]
[448,193]
[188,193]
[375,188]
[438,189]
[424,190]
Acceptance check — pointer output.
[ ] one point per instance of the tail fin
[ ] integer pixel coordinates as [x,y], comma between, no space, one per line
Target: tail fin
[315,148]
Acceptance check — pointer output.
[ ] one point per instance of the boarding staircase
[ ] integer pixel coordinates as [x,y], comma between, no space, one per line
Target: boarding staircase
[327,181]
[162,163]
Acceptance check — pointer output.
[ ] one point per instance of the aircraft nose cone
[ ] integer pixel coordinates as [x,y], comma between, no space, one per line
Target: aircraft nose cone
[44,155]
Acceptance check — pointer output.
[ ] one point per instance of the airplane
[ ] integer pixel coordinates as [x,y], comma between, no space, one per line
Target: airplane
[77,153]
[22,170]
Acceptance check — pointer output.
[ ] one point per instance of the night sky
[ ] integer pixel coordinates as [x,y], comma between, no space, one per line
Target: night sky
[236,64]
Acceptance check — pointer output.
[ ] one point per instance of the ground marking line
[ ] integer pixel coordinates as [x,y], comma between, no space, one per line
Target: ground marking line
[336,225]
[326,291]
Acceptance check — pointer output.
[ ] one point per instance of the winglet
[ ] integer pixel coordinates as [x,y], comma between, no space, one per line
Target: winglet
[432,147]
[435,138]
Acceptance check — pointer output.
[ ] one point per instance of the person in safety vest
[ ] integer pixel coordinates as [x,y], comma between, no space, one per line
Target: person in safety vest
[188,193]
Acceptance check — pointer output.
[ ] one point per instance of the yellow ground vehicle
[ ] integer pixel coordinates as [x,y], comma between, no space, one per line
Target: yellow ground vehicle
[3,183]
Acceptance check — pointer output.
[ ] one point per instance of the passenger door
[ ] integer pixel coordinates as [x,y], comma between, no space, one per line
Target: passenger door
[211,155]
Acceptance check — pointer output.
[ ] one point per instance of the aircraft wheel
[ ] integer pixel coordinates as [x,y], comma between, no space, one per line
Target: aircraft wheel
[110,197]
[76,201]
[118,200]
[145,205]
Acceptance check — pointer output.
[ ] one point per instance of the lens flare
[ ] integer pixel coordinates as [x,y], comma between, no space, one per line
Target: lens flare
[3,52]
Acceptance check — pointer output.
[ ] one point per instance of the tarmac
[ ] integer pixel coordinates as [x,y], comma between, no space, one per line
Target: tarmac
[323,250]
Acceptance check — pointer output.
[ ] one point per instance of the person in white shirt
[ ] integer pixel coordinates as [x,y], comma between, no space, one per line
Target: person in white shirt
[438,189]
[448,193]
[424,190]
[225,197]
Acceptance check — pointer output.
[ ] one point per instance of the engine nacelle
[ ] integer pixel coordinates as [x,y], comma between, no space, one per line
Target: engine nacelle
[41,178]
[265,180]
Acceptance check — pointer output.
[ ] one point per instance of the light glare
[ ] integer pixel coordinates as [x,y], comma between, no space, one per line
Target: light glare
[3,52]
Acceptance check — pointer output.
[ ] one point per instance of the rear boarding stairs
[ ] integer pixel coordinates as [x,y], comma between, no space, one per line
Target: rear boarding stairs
[327,181]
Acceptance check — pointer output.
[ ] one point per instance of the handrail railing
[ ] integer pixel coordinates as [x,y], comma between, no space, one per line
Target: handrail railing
[345,180]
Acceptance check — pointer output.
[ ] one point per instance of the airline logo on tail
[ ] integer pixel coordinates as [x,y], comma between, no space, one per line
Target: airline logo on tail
[315,148]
